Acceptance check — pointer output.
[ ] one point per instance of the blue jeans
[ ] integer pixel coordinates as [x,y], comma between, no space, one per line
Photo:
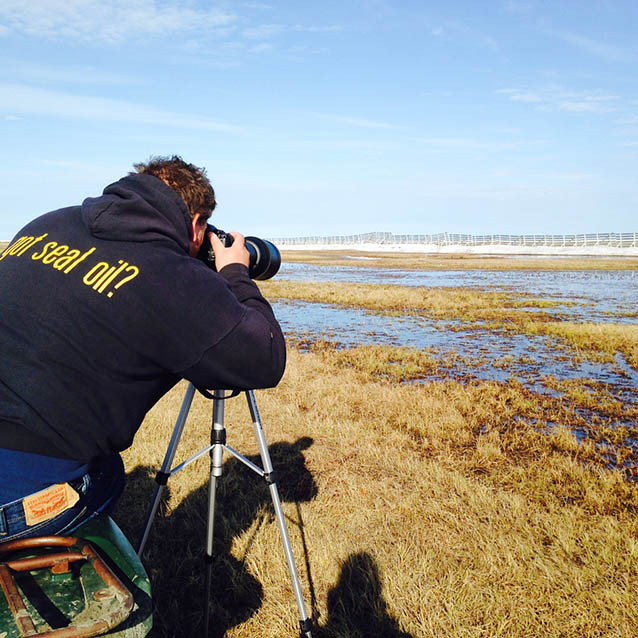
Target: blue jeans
[98,490]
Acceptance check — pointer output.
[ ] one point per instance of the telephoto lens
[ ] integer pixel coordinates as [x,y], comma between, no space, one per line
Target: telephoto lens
[265,258]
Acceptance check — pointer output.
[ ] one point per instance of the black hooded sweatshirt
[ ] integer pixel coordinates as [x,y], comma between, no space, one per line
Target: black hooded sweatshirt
[102,311]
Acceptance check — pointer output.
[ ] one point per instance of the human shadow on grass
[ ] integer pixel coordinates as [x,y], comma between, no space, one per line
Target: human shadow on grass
[174,554]
[356,608]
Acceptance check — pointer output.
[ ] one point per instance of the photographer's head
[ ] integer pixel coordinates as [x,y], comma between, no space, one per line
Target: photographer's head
[191,184]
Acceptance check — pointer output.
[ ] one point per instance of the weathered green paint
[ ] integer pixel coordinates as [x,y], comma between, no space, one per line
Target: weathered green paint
[73,594]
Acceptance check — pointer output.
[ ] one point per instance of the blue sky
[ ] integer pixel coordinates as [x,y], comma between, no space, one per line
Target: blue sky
[331,117]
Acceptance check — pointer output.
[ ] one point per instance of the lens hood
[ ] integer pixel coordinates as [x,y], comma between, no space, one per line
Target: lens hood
[265,258]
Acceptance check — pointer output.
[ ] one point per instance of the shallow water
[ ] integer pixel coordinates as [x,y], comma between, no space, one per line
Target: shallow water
[493,354]
[599,295]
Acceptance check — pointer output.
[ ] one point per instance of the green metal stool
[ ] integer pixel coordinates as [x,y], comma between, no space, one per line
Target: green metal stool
[89,584]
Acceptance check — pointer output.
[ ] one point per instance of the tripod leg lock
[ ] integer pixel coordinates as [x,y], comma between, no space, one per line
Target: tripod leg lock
[306,626]
[218,437]
[270,478]
[161,478]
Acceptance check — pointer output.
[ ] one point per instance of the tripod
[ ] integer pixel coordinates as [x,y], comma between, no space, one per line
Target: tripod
[216,449]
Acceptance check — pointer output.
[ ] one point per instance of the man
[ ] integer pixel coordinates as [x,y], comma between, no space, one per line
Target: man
[103,308]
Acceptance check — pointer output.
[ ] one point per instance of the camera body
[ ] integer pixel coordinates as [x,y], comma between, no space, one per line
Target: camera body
[265,258]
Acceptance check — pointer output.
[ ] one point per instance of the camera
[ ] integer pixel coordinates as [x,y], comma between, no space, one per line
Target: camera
[265,257]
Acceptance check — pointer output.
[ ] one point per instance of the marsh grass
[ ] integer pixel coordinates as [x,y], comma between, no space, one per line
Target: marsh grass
[606,339]
[593,409]
[421,261]
[442,303]
[415,510]
[471,309]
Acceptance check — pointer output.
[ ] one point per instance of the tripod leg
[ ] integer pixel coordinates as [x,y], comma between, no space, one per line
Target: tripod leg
[162,476]
[218,440]
[304,621]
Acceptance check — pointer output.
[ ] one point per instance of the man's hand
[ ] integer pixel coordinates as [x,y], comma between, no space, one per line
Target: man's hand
[235,254]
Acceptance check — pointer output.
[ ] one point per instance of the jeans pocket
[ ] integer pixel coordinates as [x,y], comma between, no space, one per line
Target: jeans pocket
[55,526]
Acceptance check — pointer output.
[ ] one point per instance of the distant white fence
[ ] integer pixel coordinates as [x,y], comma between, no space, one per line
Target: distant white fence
[612,240]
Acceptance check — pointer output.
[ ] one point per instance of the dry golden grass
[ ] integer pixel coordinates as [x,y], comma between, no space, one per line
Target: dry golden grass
[414,511]
[603,338]
[421,261]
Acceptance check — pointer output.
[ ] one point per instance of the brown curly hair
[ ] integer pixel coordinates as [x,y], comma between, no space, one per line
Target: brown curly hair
[187,180]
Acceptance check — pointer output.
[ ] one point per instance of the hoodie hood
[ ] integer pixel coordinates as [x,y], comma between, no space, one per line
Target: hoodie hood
[138,208]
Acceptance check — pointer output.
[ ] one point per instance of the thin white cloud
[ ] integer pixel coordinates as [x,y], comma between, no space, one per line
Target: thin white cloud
[268,31]
[461,33]
[471,144]
[262,47]
[589,104]
[317,29]
[357,121]
[263,31]
[346,145]
[558,99]
[611,52]
[517,95]
[630,120]
[107,22]
[514,6]
[19,100]
[217,36]
[45,74]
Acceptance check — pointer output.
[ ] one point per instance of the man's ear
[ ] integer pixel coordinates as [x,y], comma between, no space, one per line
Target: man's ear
[195,227]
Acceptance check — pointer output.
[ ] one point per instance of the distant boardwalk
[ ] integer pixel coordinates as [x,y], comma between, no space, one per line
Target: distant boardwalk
[612,244]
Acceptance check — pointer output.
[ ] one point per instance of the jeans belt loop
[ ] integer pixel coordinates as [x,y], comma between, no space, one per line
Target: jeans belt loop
[4,528]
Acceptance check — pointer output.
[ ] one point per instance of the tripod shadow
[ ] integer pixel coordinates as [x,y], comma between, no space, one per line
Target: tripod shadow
[174,556]
[356,608]
[176,548]
[132,504]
